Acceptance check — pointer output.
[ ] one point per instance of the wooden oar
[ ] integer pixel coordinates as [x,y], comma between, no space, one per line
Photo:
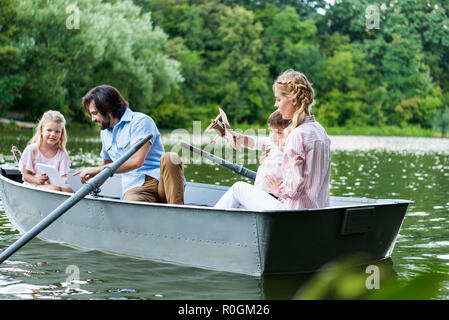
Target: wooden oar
[239,169]
[89,186]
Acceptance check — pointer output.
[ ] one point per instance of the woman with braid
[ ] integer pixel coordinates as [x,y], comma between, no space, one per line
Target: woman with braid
[306,156]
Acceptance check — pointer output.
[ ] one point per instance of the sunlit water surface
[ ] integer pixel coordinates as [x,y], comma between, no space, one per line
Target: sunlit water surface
[416,169]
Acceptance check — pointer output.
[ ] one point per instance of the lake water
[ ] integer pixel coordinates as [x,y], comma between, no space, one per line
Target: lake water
[416,169]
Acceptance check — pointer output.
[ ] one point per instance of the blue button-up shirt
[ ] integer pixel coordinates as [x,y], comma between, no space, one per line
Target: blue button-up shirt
[133,126]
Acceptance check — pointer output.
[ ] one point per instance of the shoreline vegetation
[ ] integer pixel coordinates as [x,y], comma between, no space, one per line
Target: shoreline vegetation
[386,131]
[212,54]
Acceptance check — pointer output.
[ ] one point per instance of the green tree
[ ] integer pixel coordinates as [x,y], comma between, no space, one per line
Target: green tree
[265,15]
[348,18]
[291,43]
[219,48]
[115,44]
[346,98]
[11,79]
[306,8]
[168,14]
[407,50]
[408,78]
[242,91]
[429,21]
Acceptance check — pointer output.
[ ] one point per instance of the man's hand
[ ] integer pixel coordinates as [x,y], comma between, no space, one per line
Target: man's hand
[273,184]
[87,173]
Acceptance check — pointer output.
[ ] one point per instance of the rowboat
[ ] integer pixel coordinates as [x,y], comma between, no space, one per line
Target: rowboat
[196,234]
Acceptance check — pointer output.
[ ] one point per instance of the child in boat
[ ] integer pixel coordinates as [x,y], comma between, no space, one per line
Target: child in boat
[47,147]
[271,158]
[306,156]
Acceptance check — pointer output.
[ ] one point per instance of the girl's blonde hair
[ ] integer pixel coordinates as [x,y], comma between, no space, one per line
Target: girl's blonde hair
[48,116]
[293,84]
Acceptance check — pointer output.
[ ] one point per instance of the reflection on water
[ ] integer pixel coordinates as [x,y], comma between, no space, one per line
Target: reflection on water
[409,145]
[31,275]
[416,169]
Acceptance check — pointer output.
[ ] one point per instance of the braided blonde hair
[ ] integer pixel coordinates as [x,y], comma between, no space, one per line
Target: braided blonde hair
[293,84]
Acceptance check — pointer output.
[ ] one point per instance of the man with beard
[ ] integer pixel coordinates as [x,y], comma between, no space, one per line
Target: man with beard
[150,174]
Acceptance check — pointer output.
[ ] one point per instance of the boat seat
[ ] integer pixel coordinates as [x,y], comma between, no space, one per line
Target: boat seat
[11,172]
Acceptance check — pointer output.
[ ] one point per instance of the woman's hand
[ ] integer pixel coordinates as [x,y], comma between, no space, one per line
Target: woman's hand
[273,184]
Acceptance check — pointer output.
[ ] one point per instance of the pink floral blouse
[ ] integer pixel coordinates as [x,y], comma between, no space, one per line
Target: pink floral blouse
[306,167]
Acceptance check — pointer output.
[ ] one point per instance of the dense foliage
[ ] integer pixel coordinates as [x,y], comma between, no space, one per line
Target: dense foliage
[178,60]
[111,44]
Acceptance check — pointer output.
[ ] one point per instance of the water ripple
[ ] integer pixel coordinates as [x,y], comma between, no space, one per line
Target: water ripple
[389,167]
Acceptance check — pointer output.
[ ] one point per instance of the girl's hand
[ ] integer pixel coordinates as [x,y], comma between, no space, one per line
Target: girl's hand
[273,184]
[41,179]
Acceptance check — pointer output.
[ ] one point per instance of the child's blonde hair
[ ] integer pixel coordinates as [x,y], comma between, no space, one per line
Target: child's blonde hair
[48,116]
[293,84]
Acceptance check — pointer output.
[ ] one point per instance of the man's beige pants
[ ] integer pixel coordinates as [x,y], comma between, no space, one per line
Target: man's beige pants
[170,187]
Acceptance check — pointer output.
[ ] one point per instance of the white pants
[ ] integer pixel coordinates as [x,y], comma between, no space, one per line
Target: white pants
[245,195]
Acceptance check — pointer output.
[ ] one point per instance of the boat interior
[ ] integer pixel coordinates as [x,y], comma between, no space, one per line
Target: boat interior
[197,194]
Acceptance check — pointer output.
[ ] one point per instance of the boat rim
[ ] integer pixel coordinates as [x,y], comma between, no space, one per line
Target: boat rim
[378,202]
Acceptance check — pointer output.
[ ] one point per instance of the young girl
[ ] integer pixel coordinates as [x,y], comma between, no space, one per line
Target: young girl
[48,147]
[306,156]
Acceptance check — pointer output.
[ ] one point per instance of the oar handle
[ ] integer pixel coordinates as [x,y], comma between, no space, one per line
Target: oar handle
[239,169]
[93,183]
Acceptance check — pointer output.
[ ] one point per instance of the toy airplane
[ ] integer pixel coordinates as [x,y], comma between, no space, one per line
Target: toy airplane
[224,130]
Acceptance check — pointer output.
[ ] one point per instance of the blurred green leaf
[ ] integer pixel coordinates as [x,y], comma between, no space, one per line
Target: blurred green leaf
[422,287]
[342,279]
